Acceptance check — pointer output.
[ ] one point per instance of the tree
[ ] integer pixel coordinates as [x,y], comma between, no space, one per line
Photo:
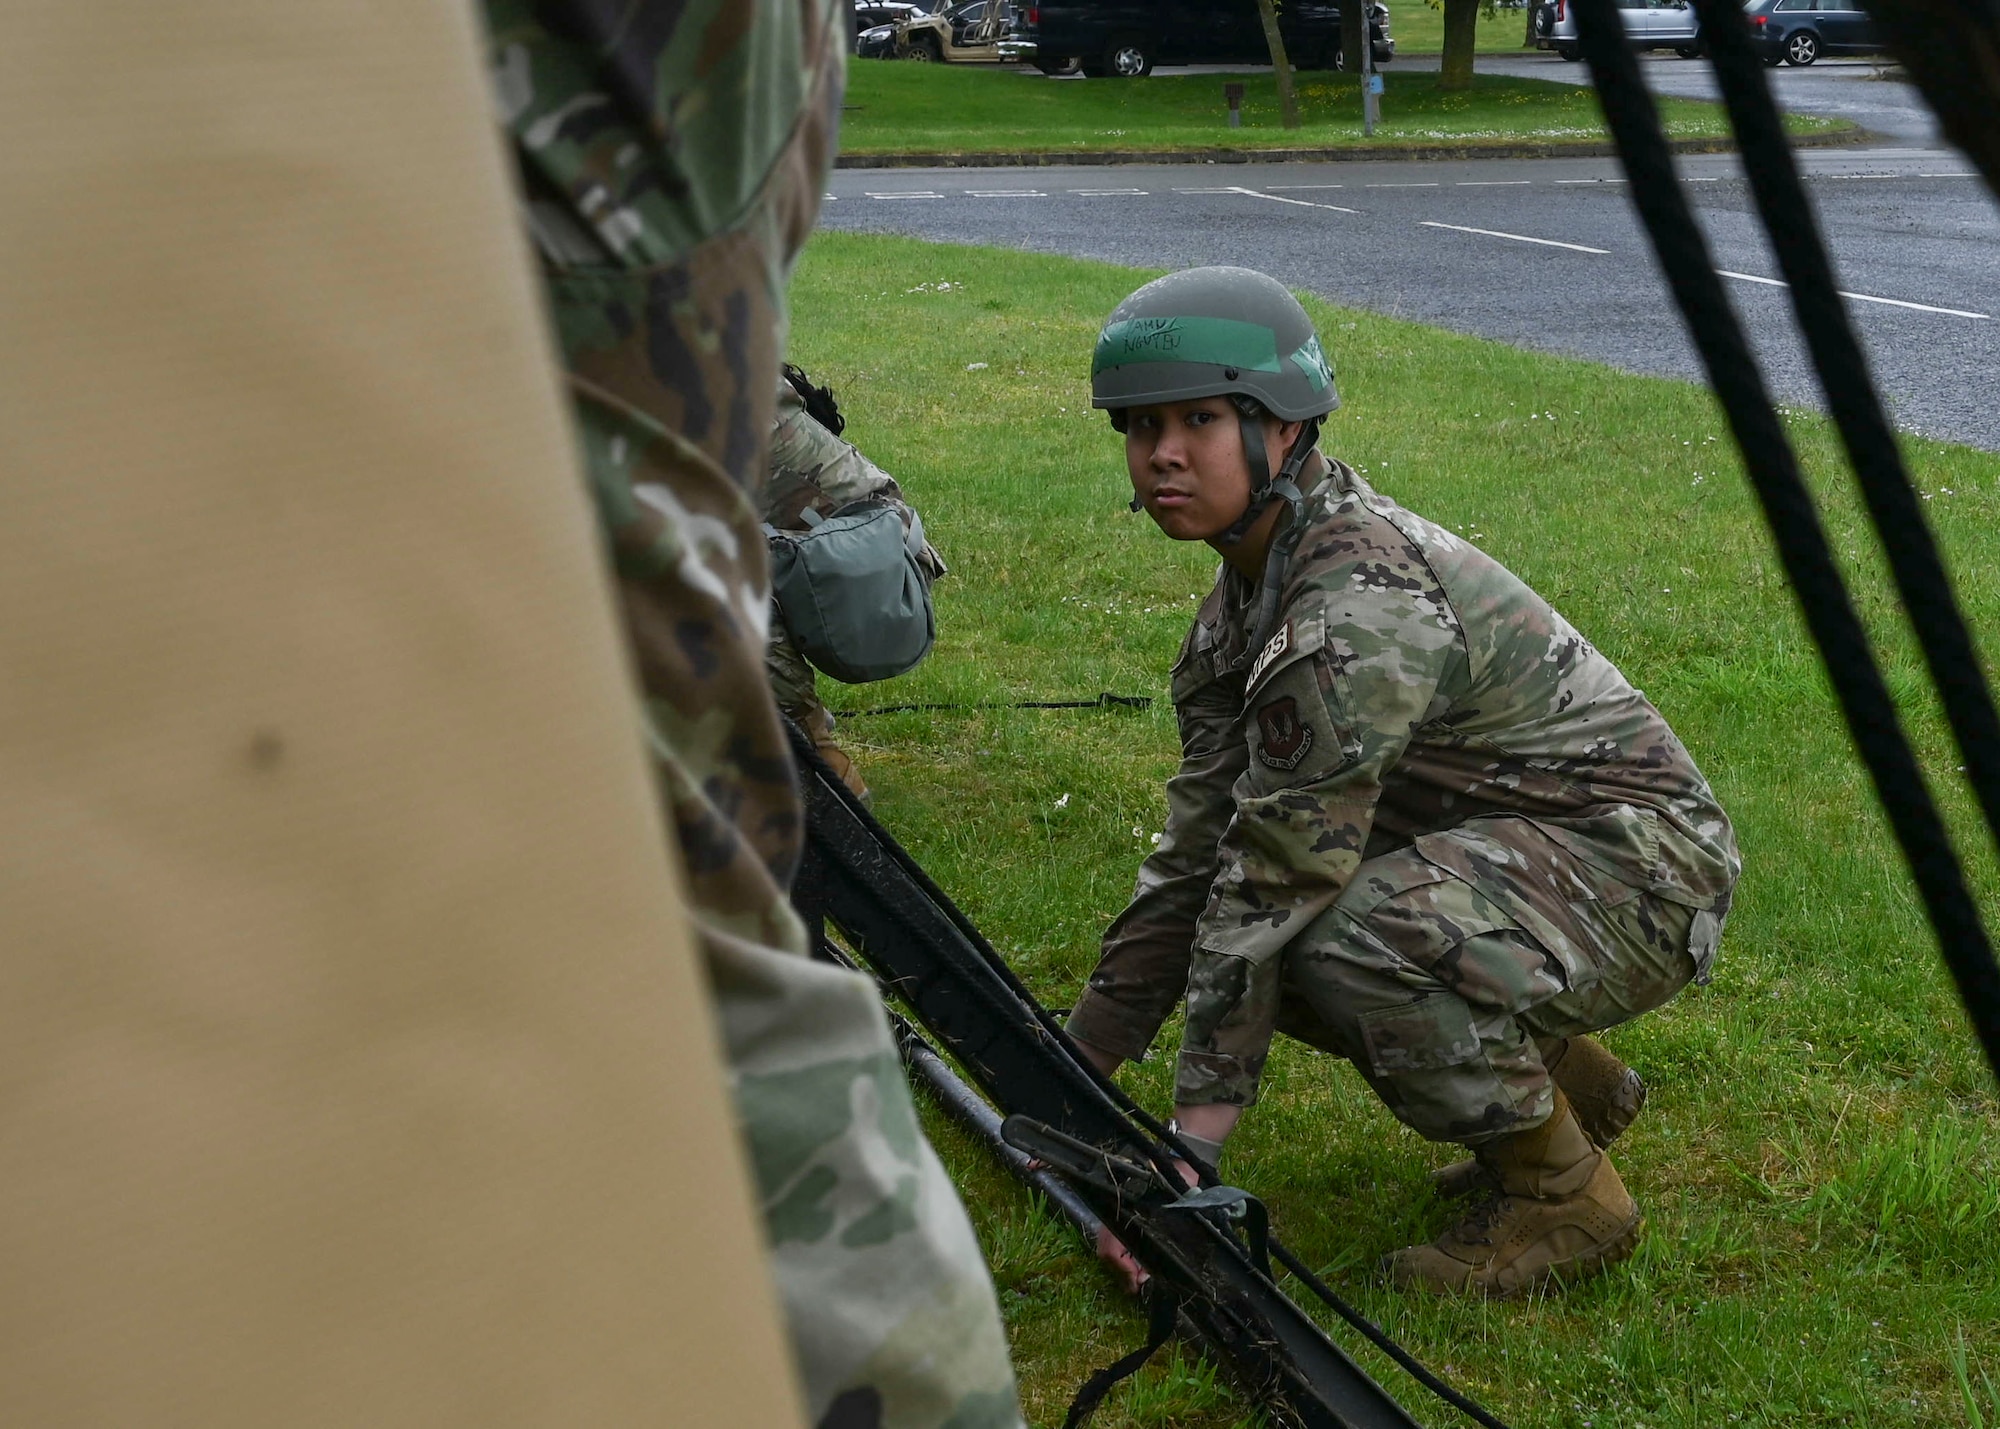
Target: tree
[1461,19]
[1354,35]
[1288,104]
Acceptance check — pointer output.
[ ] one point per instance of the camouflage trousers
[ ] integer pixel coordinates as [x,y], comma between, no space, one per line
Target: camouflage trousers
[793,680]
[1446,963]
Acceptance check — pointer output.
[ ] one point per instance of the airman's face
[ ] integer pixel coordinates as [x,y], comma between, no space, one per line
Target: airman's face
[1187,467]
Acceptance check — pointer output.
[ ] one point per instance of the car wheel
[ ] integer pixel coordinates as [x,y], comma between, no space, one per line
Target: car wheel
[1570,53]
[1802,48]
[924,51]
[1688,52]
[1129,58]
[1058,67]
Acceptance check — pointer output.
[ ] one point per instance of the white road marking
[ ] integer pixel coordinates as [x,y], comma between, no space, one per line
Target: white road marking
[1590,181]
[1223,190]
[1400,186]
[923,193]
[1302,203]
[1948,176]
[1516,237]
[1862,297]
[1277,188]
[1005,193]
[1107,193]
[1702,179]
[1492,183]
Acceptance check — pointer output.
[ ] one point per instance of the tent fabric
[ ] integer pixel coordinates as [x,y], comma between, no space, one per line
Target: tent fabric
[354,1065]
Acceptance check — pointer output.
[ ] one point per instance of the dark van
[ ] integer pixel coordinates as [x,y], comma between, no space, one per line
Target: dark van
[1127,38]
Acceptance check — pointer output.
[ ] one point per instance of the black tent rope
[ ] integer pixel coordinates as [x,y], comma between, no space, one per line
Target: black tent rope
[1857,411]
[1788,509]
[1105,701]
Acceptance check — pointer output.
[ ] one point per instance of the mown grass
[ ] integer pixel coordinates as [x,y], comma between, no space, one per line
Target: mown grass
[1419,30]
[1818,1163]
[963,109]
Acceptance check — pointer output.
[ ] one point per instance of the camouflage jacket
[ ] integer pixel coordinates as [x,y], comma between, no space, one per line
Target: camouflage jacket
[1411,682]
[811,468]
[672,154]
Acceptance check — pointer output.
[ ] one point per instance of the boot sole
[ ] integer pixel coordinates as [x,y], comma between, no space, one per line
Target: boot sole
[1619,1115]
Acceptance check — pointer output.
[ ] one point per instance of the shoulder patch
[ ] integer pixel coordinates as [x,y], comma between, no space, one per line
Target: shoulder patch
[1274,647]
[1283,737]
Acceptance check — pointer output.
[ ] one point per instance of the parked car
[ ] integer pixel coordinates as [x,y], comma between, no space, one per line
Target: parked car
[1798,32]
[878,22]
[1649,24]
[1126,38]
[975,32]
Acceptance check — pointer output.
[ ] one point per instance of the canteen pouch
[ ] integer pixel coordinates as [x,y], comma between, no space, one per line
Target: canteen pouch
[851,593]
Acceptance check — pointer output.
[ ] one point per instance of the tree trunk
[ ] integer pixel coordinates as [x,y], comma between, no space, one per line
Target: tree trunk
[1461,18]
[1353,34]
[1288,104]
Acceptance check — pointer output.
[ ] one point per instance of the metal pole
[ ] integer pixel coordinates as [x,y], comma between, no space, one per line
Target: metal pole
[1371,99]
[969,1109]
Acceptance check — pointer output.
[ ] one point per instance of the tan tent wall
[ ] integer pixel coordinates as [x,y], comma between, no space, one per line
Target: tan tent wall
[353,1065]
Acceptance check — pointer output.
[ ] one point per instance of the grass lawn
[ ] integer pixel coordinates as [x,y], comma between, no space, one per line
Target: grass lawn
[1419,30]
[1818,1163]
[963,109]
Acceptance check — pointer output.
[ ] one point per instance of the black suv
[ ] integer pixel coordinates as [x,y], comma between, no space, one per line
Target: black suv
[1128,37]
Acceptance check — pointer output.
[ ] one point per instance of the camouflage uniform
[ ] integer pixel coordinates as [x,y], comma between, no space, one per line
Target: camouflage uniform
[813,468]
[1422,826]
[672,156]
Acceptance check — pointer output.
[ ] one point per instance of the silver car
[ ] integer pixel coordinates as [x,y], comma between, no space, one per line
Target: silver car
[1650,24]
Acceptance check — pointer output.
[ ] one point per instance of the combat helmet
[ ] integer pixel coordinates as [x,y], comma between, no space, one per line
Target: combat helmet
[1224,332]
[1211,332]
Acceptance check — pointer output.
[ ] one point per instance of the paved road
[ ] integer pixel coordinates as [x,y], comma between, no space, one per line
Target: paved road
[1545,254]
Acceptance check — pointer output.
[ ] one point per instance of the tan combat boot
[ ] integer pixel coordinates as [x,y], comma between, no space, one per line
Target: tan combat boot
[1561,1214]
[1607,1094]
[818,725]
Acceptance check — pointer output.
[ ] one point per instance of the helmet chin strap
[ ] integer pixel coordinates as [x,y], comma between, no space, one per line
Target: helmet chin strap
[1264,489]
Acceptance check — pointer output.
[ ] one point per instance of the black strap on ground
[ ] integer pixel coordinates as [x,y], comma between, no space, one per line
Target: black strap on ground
[1788,509]
[929,957]
[1162,1310]
[1105,701]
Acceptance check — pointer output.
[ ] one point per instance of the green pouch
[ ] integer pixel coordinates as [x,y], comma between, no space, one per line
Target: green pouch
[851,593]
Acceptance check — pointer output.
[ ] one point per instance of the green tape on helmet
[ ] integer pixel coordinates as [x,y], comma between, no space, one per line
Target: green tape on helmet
[1220,342]
[1312,361]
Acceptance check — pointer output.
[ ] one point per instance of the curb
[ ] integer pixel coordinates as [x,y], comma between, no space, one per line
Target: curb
[1591,150]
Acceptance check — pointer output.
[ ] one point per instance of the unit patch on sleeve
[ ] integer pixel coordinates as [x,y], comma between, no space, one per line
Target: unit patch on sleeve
[1284,739]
